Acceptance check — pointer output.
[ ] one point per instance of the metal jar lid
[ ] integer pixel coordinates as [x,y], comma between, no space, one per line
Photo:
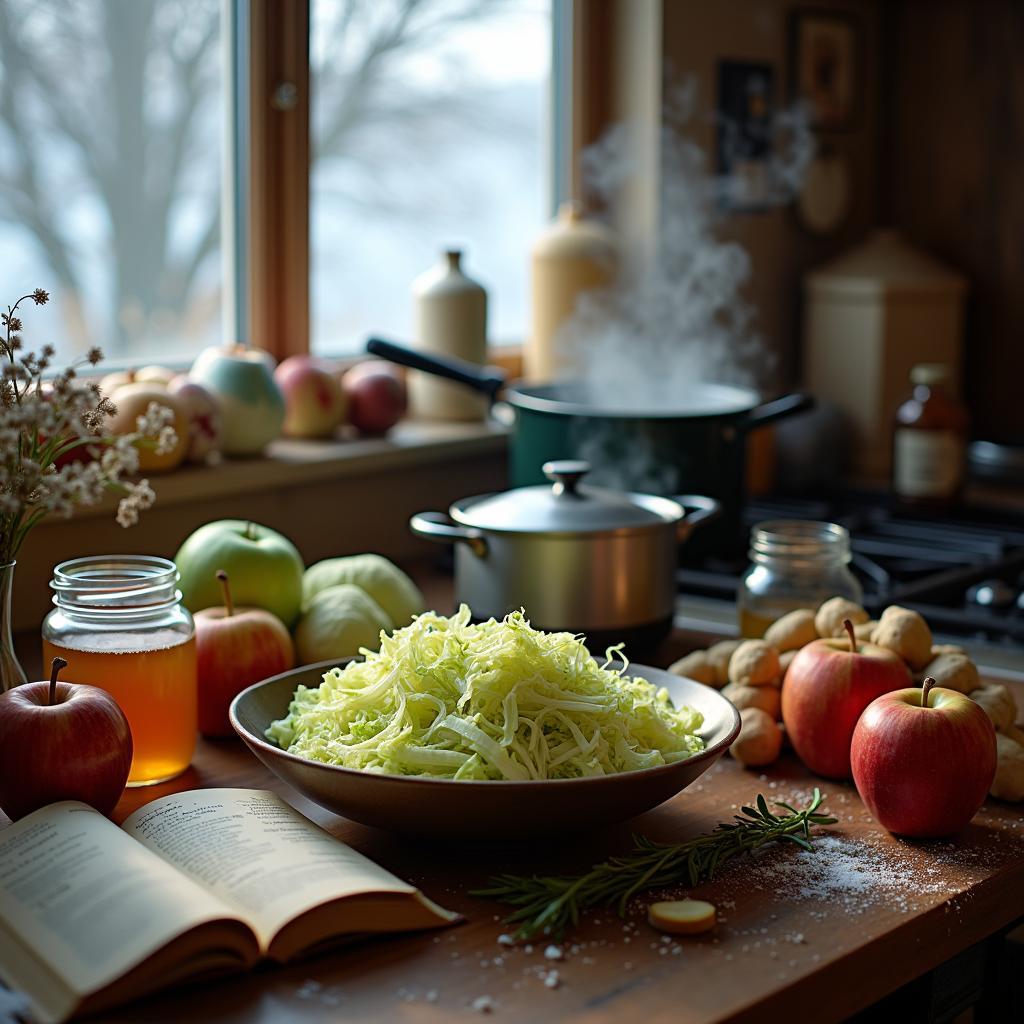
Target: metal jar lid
[566,507]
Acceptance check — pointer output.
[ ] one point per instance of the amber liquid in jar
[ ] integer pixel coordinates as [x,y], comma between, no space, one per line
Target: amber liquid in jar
[929,441]
[154,687]
[119,624]
[754,626]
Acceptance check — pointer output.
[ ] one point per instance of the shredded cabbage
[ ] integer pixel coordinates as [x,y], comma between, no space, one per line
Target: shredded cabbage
[448,698]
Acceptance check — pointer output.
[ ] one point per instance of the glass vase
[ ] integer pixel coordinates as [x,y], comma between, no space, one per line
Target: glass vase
[11,672]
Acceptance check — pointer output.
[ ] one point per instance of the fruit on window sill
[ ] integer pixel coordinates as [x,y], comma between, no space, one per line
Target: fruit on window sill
[828,685]
[315,403]
[132,401]
[235,647]
[61,741]
[376,396]
[338,622]
[923,760]
[251,403]
[264,566]
[161,375]
[205,424]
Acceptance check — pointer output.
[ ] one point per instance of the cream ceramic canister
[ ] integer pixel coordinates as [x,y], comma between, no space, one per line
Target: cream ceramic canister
[574,255]
[451,320]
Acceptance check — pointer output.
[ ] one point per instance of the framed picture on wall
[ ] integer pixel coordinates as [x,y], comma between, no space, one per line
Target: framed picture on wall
[743,148]
[825,67]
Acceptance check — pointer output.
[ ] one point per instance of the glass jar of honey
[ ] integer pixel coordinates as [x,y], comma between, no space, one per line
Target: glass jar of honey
[795,563]
[119,623]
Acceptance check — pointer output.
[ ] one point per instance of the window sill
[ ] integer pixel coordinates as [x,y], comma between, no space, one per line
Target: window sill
[329,497]
[292,463]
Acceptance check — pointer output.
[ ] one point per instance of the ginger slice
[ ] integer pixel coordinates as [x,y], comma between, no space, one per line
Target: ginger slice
[682,917]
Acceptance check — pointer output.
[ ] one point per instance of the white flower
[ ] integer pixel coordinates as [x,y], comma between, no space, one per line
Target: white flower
[41,418]
[140,496]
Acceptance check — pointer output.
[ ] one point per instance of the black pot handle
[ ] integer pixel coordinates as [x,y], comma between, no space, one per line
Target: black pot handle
[488,380]
[780,408]
[705,510]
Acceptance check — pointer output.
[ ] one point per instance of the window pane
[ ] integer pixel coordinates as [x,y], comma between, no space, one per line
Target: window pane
[110,157]
[429,130]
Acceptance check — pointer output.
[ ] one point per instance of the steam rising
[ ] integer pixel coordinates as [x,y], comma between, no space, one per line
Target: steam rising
[681,319]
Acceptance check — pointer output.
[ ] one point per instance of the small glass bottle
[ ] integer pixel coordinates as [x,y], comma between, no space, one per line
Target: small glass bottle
[929,441]
[796,563]
[119,623]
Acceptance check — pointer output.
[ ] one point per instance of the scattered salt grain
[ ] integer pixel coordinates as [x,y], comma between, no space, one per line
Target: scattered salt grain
[506,940]
[483,1004]
[553,953]
[552,980]
[431,996]
[309,988]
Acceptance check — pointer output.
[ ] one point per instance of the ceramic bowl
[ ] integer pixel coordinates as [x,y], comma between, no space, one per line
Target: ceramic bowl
[480,809]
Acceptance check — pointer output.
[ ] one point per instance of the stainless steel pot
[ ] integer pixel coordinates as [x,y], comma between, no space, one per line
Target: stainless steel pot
[575,557]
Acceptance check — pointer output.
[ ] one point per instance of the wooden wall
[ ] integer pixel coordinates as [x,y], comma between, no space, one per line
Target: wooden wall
[696,37]
[952,175]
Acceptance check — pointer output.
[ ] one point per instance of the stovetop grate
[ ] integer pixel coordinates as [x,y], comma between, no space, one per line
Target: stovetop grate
[929,564]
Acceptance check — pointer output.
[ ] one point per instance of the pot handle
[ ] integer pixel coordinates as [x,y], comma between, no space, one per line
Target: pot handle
[436,526]
[488,380]
[705,510]
[787,405]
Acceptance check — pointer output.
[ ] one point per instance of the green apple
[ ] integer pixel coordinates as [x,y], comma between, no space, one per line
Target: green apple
[265,568]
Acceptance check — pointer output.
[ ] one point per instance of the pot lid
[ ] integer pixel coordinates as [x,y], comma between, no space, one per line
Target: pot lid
[566,507]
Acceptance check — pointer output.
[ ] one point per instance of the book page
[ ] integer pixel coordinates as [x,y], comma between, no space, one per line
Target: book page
[86,899]
[257,854]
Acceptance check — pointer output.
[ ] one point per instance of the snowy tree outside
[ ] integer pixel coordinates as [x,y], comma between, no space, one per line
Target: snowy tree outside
[429,129]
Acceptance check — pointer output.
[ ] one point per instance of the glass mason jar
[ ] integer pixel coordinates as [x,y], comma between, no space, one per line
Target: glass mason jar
[119,623]
[795,564]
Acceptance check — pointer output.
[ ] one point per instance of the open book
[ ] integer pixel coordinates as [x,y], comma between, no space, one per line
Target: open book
[193,884]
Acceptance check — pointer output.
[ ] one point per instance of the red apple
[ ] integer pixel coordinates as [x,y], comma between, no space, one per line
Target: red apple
[923,760]
[313,398]
[376,396]
[827,686]
[61,741]
[235,647]
[205,426]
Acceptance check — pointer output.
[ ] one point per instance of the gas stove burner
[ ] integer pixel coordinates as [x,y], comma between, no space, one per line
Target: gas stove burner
[991,594]
[963,572]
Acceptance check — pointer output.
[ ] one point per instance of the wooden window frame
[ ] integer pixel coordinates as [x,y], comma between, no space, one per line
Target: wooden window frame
[278,168]
[267,212]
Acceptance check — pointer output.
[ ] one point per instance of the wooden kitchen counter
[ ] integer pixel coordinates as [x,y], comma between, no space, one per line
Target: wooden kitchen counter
[814,936]
[830,932]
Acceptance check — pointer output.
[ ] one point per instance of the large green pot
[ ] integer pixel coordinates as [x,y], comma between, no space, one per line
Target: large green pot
[698,448]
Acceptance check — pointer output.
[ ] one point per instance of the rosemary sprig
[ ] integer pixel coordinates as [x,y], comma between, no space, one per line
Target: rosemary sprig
[552,905]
